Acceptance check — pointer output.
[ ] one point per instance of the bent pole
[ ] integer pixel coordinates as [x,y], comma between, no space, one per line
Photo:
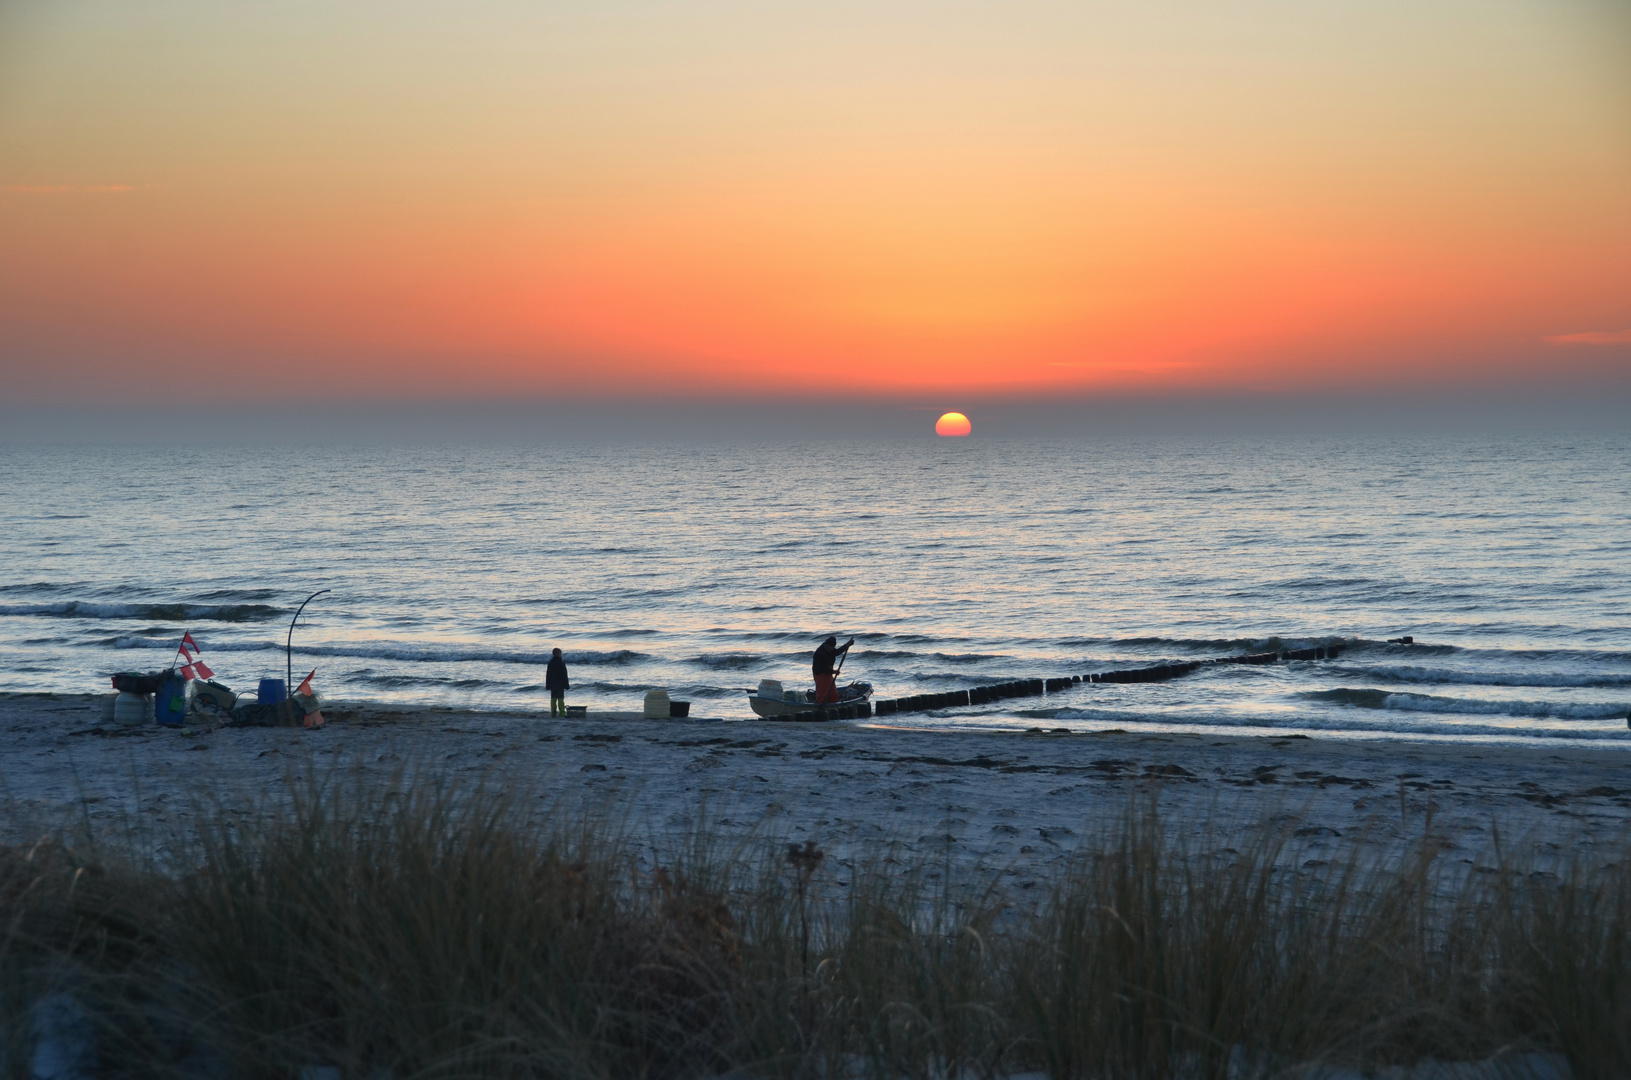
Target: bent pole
[288,644]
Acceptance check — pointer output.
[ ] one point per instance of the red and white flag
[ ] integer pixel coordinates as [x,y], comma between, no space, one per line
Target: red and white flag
[193,667]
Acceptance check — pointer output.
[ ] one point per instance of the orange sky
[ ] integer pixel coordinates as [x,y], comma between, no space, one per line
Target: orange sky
[900,198]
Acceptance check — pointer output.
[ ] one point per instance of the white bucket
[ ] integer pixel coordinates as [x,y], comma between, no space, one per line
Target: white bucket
[770,688]
[657,705]
[132,710]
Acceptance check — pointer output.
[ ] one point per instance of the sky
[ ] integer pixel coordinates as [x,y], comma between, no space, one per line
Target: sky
[950,202]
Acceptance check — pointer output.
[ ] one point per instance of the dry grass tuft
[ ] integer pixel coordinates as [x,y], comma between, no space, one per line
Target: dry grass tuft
[422,931]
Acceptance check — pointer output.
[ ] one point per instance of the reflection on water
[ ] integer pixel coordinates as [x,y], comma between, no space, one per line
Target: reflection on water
[701,569]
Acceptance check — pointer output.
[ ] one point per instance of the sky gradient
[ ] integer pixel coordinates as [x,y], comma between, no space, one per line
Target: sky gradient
[252,201]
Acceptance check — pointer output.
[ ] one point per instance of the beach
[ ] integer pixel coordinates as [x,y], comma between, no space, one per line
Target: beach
[984,805]
[1204,426]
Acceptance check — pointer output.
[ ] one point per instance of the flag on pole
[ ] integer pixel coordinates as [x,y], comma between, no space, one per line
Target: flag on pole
[192,667]
[305,684]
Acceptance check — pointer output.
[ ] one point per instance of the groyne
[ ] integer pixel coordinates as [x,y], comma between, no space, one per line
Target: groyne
[1020,688]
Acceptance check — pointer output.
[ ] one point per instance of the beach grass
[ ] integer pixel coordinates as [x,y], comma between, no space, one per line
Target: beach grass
[418,928]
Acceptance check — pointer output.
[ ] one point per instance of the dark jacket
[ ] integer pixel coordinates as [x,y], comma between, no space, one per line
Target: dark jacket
[555,678]
[825,656]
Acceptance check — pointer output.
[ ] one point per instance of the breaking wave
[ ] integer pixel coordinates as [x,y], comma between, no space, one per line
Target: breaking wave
[83,609]
[1448,676]
[1367,698]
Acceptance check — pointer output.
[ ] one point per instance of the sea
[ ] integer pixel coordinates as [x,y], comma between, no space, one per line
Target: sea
[703,567]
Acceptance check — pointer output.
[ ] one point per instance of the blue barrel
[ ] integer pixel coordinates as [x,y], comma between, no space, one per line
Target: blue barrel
[271,692]
[170,703]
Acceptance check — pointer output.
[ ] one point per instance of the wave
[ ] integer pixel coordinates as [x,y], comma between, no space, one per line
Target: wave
[37,587]
[737,661]
[142,639]
[1490,655]
[1411,674]
[1370,698]
[240,594]
[589,656]
[1348,644]
[1352,646]
[394,681]
[1320,584]
[83,609]
[1228,645]
[402,650]
[1527,656]
[729,661]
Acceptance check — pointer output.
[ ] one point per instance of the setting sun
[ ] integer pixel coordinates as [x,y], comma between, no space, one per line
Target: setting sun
[953,423]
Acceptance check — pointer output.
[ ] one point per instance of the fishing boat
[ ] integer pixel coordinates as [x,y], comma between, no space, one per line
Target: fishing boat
[772,702]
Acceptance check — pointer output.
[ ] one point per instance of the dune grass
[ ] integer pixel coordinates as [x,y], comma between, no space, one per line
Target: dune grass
[416,930]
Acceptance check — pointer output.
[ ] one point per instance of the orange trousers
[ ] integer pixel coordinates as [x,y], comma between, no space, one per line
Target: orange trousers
[826,689]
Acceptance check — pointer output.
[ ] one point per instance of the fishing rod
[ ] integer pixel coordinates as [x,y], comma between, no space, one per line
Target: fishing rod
[288,644]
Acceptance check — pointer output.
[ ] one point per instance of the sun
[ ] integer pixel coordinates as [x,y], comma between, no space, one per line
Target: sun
[953,423]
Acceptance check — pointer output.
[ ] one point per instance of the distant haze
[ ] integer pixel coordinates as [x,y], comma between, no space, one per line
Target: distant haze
[579,421]
[1035,206]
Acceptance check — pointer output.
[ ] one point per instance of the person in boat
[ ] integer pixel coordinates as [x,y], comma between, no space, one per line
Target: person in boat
[826,675]
[556,682]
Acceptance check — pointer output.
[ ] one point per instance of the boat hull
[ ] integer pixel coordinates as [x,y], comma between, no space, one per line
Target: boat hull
[853,702]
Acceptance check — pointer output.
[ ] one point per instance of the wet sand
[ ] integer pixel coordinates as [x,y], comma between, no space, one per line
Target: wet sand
[1009,805]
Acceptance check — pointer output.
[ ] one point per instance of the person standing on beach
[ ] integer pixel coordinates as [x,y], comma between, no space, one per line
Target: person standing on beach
[556,682]
[826,678]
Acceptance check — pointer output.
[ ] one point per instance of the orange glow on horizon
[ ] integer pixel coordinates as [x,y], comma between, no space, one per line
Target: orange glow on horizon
[772,204]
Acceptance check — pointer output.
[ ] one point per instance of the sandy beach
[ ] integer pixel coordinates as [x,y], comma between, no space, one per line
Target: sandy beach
[1009,804]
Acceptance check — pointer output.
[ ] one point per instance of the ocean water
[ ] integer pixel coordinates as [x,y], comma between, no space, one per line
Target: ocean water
[702,568]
